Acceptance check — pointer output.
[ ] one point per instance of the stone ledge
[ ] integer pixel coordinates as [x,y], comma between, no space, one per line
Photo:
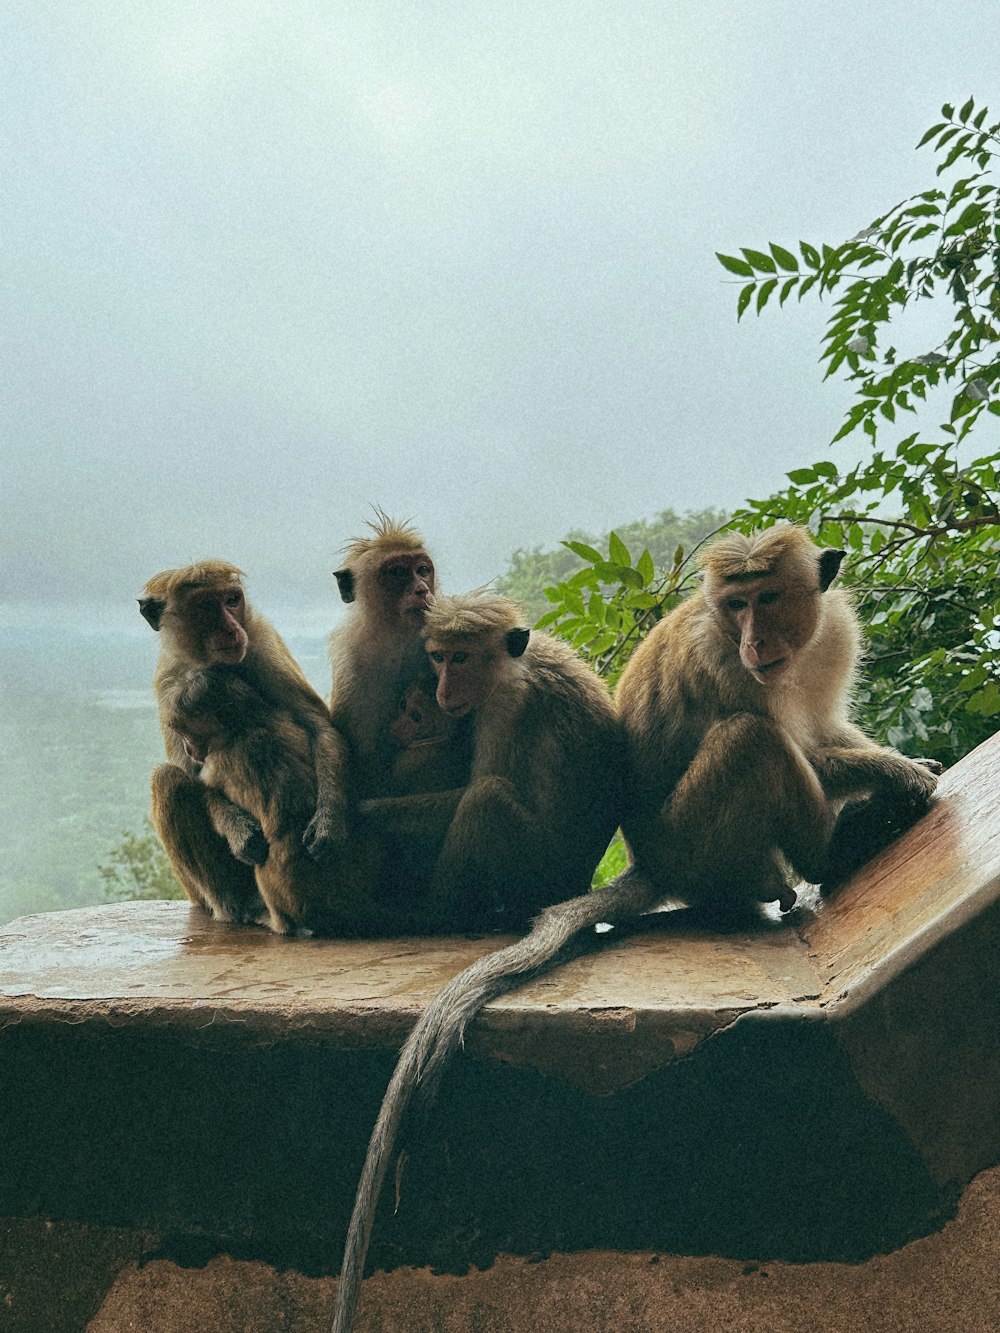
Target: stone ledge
[817,1089]
[643,1000]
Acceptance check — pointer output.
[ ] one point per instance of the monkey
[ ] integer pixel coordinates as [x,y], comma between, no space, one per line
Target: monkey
[542,799]
[262,759]
[205,622]
[740,754]
[389,580]
[433,749]
[737,714]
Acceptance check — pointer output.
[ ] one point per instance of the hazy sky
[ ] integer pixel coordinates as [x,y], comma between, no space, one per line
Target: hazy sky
[266,264]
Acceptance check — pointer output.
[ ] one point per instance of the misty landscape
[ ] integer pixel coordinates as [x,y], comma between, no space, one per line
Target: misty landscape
[79,735]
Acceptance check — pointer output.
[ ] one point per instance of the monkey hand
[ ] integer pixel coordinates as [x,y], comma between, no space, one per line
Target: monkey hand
[917,784]
[247,842]
[326,830]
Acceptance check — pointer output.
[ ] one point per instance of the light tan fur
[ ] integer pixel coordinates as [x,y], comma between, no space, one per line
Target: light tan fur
[378,652]
[205,622]
[737,712]
[541,802]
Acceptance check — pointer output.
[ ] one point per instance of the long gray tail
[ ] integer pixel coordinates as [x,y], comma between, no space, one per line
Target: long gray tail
[441,1030]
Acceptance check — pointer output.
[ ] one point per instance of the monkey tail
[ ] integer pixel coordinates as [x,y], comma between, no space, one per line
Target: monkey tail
[555,937]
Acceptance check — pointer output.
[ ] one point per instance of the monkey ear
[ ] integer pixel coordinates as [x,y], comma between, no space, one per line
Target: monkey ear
[829,564]
[151,610]
[345,582]
[517,641]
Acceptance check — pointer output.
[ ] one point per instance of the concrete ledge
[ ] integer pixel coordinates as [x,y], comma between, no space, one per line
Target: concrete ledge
[818,1089]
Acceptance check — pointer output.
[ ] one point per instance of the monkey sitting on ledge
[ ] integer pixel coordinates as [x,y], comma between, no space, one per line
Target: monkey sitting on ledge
[542,798]
[205,622]
[742,751]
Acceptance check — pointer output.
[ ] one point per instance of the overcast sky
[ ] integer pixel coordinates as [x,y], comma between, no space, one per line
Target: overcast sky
[267,263]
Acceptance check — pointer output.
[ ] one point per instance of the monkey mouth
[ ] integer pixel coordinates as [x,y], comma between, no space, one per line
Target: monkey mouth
[771,668]
[232,653]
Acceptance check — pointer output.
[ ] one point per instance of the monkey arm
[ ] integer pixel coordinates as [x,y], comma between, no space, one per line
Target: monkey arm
[241,831]
[328,826]
[859,767]
[427,814]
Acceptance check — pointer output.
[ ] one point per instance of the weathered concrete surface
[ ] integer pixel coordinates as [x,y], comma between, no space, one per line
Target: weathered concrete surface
[820,1088]
[73,1278]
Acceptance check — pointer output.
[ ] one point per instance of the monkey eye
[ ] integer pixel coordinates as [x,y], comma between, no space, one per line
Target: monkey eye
[436,656]
[234,599]
[416,715]
[766,598]
[424,571]
[458,658]
[736,603]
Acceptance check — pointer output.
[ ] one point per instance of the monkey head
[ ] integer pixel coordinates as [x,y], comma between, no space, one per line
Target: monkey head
[390,573]
[419,718]
[203,611]
[472,642]
[764,592]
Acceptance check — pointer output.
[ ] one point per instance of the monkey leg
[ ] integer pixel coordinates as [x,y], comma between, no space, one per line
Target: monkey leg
[748,794]
[201,858]
[494,865]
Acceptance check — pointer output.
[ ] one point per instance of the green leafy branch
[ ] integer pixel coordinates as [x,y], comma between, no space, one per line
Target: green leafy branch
[611,603]
[921,524]
[880,271]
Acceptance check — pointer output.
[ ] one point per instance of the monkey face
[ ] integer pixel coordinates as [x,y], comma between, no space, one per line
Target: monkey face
[211,624]
[771,620]
[464,675]
[419,718]
[407,582]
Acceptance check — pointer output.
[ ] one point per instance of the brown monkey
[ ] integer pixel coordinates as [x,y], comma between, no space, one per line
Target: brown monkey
[433,751]
[737,712]
[205,622]
[542,800]
[262,759]
[741,751]
[389,580]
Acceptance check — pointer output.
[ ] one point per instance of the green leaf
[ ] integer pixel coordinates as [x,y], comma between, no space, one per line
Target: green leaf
[801,476]
[786,289]
[745,297]
[645,567]
[931,133]
[764,293]
[734,265]
[618,551]
[760,261]
[584,552]
[810,254]
[966,110]
[785,258]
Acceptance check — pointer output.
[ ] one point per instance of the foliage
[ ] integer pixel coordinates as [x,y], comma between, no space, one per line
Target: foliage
[138,868]
[530,572]
[919,516]
[604,604]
